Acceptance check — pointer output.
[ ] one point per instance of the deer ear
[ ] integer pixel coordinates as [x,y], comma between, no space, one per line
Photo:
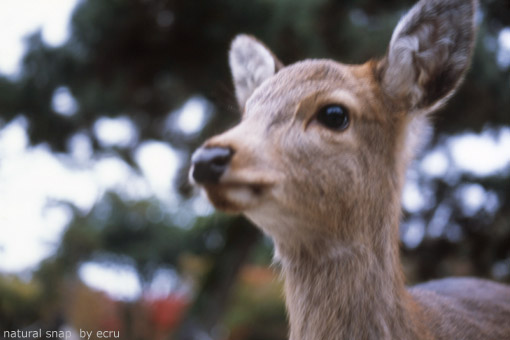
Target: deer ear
[429,52]
[250,63]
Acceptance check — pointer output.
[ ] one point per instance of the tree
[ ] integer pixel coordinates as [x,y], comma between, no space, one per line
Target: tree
[144,59]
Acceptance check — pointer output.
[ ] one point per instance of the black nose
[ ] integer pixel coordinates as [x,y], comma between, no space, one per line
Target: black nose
[210,163]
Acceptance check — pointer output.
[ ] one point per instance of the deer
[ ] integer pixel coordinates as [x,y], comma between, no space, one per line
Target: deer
[318,162]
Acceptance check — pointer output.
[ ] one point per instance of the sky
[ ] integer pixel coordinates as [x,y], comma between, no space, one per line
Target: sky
[20,17]
[31,224]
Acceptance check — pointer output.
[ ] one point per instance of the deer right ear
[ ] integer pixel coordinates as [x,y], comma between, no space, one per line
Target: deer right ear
[250,63]
[429,52]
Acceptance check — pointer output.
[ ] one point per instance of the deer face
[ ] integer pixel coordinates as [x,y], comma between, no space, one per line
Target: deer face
[304,152]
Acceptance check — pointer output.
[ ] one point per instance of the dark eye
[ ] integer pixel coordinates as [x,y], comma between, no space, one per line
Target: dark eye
[333,116]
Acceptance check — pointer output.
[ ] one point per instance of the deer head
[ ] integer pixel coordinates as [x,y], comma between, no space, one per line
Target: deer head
[319,156]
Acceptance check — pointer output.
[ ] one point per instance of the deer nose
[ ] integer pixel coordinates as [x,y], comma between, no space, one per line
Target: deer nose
[210,163]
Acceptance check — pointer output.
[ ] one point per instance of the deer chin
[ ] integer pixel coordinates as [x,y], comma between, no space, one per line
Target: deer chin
[235,197]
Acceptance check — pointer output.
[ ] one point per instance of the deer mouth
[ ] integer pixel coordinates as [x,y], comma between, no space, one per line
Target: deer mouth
[235,197]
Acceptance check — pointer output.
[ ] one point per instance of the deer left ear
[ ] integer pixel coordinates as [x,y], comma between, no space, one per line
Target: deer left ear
[251,62]
[429,52]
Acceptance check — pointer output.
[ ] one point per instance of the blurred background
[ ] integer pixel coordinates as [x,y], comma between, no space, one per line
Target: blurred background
[102,103]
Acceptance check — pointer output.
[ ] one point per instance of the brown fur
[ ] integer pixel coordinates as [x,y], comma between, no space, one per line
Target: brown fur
[331,199]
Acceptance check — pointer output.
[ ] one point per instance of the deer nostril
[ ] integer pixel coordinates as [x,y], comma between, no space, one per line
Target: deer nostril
[221,160]
[210,163]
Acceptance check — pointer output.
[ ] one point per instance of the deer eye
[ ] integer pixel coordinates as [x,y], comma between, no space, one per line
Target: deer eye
[334,117]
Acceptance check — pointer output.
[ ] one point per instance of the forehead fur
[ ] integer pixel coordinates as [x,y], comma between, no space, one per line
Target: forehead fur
[283,91]
[296,80]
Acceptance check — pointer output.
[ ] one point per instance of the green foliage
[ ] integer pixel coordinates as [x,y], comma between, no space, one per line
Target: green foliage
[21,301]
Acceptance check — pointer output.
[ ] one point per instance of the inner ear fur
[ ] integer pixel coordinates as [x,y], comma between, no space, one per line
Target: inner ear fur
[251,63]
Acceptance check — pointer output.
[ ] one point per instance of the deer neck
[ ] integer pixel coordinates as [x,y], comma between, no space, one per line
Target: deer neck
[352,291]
